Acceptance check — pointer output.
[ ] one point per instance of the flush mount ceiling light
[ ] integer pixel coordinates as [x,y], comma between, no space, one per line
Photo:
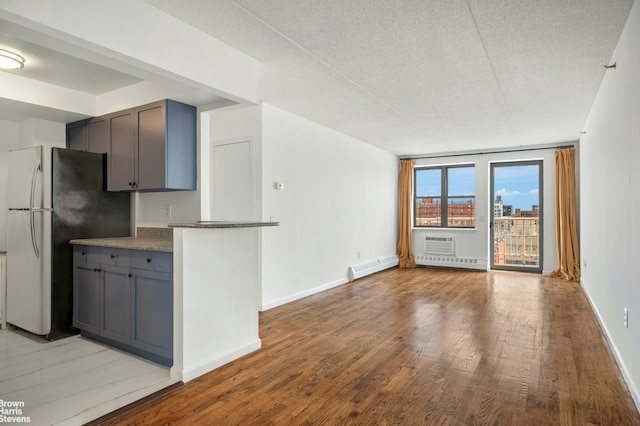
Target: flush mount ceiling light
[10,60]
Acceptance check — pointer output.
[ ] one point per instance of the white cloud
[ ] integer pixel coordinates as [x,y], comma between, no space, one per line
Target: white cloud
[503,192]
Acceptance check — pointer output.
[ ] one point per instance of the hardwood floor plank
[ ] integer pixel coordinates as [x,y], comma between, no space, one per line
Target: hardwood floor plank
[422,346]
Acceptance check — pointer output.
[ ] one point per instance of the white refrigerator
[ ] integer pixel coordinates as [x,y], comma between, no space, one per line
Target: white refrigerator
[55,195]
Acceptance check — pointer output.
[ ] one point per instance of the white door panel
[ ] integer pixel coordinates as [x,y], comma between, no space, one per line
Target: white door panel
[232,195]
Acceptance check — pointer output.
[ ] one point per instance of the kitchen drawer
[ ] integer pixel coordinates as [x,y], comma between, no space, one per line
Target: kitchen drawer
[152,260]
[86,254]
[115,257]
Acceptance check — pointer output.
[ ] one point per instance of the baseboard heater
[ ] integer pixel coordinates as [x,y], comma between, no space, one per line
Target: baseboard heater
[451,262]
[367,268]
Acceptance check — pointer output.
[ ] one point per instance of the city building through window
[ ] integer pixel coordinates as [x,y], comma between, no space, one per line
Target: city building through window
[453,187]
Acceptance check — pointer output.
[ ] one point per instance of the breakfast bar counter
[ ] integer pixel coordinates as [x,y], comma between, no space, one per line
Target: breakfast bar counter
[222,224]
[216,273]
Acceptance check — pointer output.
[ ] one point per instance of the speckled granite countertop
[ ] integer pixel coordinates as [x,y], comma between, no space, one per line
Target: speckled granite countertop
[151,239]
[222,224]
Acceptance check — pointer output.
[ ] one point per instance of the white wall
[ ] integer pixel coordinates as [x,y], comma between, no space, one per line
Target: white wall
[339,199]
[338,206]
[610,202]
[9,140]
[150,208]
[16,135]
[475,243]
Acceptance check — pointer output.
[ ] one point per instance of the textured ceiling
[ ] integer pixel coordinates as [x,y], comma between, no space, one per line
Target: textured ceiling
[425,76]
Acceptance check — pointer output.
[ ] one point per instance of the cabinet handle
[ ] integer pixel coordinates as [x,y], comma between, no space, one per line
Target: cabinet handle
[84,253]
[97,270]
[113,256]
[149,260]
[130,275]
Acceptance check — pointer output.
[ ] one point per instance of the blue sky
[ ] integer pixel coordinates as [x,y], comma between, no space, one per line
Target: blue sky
[518,185]
[461,182]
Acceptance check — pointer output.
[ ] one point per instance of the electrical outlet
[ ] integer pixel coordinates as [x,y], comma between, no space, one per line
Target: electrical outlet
[626,318]
[167,211]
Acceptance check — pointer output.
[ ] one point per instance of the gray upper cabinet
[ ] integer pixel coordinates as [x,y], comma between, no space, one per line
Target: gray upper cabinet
[89,135]
[77,135]
[121,158]
[97,135]
[149,148]
[153,148]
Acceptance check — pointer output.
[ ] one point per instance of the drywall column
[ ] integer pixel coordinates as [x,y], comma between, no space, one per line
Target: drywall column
[216,297]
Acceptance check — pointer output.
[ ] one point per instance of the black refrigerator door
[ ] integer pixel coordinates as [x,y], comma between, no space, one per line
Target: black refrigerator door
[81,209]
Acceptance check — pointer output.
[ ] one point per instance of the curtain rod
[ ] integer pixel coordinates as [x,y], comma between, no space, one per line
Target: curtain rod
[487,152]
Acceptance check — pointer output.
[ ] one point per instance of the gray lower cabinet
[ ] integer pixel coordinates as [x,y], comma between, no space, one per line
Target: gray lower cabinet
[125,298]
[115,304]
[86,292]
[153,298]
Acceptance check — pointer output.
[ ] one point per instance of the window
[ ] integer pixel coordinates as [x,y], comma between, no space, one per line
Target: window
[453,187]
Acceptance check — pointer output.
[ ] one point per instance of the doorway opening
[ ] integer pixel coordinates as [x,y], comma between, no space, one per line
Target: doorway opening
[516,217]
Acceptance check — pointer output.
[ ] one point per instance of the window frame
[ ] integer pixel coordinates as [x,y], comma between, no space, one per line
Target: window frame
[444,196]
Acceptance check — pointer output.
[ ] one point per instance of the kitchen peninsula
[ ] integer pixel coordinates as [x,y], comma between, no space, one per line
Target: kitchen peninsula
[216,294]
[216,291]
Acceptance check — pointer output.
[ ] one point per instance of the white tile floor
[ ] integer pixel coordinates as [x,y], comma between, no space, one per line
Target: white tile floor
[73,380]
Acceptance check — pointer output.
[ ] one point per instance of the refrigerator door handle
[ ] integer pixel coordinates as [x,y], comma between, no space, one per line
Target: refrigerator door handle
[34,241]
[36,169]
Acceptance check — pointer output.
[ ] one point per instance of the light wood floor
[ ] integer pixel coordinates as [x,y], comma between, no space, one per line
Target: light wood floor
[416,347]
[72,380]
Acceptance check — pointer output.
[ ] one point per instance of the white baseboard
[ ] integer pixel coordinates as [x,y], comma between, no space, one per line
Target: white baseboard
[300,295]
[633,388]
[190,373]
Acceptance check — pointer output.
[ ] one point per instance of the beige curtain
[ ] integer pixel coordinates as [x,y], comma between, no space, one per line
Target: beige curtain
[566,217]
[403,248]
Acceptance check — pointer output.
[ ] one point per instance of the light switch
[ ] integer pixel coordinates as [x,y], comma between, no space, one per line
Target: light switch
[279,185]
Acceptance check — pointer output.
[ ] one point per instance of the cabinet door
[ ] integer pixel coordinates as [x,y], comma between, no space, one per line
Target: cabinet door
[86,297]
[151,146]
[97,135]
[122,151]
[115,318]
[152,299]
[76,136]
